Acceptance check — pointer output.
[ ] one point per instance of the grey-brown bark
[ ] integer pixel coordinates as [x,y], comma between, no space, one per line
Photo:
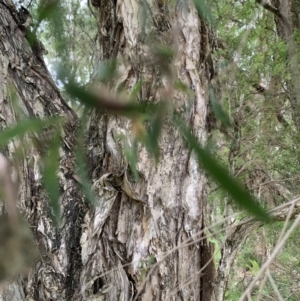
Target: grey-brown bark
[103,253]
[174,190]
[22,72]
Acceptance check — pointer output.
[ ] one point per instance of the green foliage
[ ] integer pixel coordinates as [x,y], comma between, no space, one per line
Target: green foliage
[25,127]
[262,146]
[217,109]
[130,153]
[252,266]
[217,252]
[285,270]
[67,30]
[106,71]
[204,11]
[81,168]
[50,179]
[145,265]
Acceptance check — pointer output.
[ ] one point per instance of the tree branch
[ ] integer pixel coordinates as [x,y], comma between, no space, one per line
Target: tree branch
[273,10]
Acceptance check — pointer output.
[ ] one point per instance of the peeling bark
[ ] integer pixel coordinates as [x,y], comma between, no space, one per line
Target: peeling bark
[170,201]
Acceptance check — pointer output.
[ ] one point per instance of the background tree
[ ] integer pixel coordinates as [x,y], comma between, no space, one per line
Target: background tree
[261,147]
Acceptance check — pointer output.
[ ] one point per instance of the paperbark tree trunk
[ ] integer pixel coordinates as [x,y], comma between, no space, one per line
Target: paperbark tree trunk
[142,240]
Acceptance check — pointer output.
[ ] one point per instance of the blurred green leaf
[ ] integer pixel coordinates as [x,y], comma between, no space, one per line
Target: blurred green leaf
[100,101]
[103,102]
[50,178]
[46,9]
[130,154]
[151,260]
[163,52]
[81,167]
[217,109]
[204,11]
[106,71]
[29,125]
[180,86]
[163,56]
[152,138]
[221,175]
[136,89]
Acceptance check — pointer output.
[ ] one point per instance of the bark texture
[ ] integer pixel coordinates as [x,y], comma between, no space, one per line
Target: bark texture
[28,90]
[159,214]
[142,240]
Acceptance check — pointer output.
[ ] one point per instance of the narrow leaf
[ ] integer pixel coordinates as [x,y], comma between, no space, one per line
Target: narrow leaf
[217,109]
[81,167]
[106,71]
[151,140]
[46,9]
[130,154]
[136,89]
[204,11]
[221,175]
[50,178]
[28,125]
[103,102]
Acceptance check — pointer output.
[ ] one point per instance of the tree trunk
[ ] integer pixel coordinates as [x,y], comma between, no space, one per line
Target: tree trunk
[142,240]
[287,24]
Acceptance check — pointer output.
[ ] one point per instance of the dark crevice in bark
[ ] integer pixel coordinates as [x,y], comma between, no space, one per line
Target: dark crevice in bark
[209,272]
[97,285]
[75,211]
[132,282]
[163,24]
[97,134]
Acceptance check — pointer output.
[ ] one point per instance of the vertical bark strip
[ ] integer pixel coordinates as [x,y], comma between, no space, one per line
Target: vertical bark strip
[174,190]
